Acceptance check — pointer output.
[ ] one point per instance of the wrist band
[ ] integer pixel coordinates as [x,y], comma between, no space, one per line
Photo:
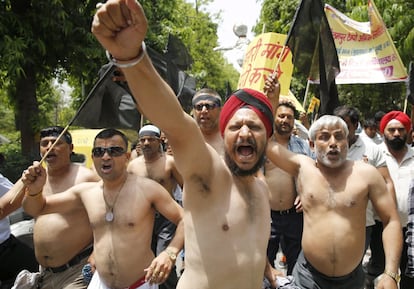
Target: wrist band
[393,275]
[34,195]
[128,63]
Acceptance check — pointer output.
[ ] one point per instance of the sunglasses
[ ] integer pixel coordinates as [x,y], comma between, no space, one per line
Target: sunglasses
[98,152]
[209,106]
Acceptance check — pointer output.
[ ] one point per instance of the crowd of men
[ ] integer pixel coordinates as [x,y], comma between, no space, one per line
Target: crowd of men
[227,186]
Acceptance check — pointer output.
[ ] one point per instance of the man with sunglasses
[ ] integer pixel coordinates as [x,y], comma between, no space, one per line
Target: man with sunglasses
[62,240]
[155,164]
[206,111]
[121,210]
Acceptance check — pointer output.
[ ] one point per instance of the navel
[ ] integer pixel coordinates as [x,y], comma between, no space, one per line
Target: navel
[225,227]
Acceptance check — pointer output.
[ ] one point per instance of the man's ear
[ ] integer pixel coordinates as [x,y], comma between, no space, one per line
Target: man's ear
[311,144]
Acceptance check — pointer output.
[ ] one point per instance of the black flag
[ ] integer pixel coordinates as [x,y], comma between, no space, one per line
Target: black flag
[313,51]
[110,103]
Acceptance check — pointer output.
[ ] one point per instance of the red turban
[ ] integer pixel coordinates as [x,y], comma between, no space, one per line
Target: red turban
[397,115]
[252,99]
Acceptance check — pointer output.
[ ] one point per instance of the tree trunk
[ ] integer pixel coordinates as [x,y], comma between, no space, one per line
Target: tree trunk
[27,112]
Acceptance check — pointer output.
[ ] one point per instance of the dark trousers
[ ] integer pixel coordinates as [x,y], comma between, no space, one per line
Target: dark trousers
[286,230]
[15,256]
[162,234]
[376,263]
[307,277]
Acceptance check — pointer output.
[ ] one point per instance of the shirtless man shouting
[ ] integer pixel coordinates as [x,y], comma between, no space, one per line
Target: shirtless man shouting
[226,207]
[334,193]
[121,211]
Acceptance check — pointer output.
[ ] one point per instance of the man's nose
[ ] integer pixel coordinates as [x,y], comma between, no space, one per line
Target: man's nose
[332,141]
[244,131]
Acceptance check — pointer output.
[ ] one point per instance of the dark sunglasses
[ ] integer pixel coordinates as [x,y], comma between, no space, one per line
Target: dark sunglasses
[209,106]
[98,152]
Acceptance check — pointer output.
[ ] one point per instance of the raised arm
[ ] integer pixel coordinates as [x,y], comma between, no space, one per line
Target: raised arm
[120,26]
[283,158]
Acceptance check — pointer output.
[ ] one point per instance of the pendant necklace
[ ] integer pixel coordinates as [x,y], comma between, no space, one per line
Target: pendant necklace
[109,215]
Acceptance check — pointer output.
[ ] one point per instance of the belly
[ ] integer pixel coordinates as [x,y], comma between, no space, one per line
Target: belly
[57,238]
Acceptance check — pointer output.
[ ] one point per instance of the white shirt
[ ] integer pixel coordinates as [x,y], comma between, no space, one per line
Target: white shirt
[401,174]
[377,139]
[5,186]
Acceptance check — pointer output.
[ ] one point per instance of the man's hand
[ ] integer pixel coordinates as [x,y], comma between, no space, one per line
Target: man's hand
[386,282]
[271,273]
[272,90]
[34,178]
[298,204]
[120,26]
[159,269]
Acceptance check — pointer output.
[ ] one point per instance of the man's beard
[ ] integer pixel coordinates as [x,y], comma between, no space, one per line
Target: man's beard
[237,171]
[282,131]
[396,144]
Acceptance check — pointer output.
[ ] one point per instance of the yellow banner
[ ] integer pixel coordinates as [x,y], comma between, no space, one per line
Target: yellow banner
[260,60]
[366,51]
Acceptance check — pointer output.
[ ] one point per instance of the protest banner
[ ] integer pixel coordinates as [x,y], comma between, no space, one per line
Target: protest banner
[365,50]
[260,60]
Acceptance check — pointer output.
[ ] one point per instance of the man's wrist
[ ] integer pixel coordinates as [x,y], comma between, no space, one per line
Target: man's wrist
[31,194]
[130,62]
[393,275]
[171,255]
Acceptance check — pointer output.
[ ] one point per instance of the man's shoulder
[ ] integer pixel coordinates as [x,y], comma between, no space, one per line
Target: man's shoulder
[84,174]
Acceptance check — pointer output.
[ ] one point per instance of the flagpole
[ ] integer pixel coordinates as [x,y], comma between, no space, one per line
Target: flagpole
[19,186]
[278,60]
[306,94]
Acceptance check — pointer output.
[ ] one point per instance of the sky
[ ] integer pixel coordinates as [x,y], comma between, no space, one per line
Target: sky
[234,11]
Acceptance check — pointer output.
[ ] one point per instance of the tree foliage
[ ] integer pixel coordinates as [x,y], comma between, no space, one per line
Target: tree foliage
[44,40]
[277,16]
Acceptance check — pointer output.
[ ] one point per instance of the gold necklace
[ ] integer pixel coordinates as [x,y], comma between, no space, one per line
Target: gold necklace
[109,215]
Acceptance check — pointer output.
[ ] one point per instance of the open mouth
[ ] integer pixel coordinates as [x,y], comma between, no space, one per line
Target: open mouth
[50,157]
[333,154]
[105,168]
[245,151]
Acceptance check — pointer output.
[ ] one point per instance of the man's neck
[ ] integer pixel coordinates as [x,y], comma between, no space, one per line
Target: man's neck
[282,139]
[153,157]
[210,133]
[398,154]
[58,171]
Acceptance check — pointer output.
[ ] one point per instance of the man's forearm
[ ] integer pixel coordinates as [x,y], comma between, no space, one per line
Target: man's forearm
[392,240]
[33,203]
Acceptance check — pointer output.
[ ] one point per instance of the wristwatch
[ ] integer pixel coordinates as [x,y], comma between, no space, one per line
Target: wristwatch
[393,275]
[171,254]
